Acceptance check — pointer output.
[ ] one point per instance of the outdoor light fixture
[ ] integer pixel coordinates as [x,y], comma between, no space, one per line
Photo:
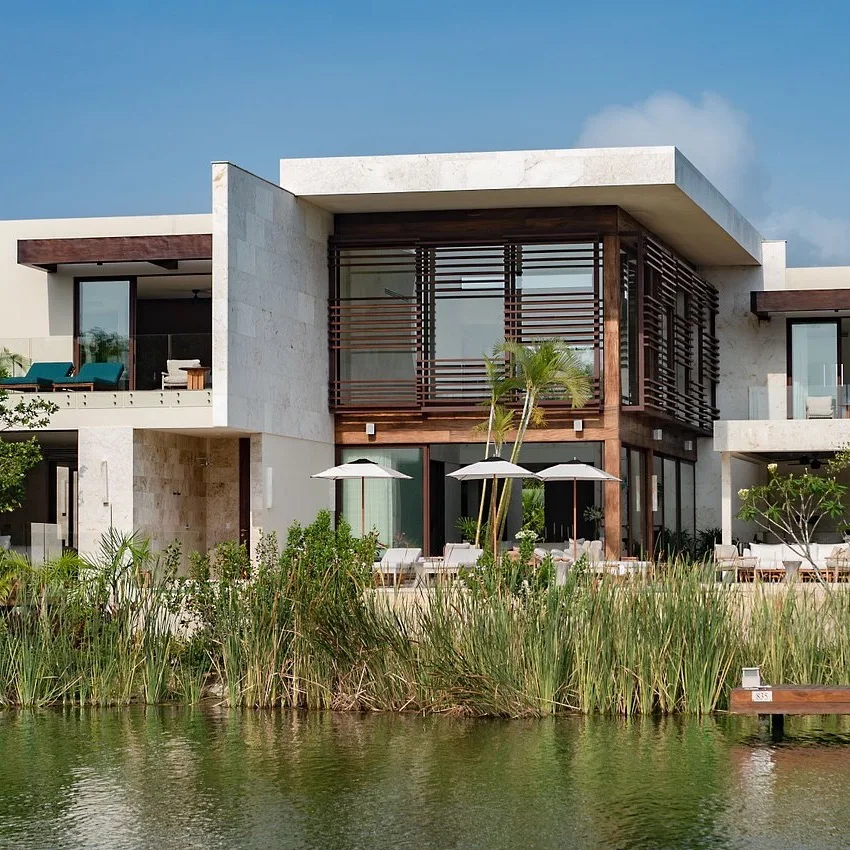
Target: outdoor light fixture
[578,425]
[370,429]
[104,481]
[750,677]
[657,434]
[654,488]
[269,488]
[689,445]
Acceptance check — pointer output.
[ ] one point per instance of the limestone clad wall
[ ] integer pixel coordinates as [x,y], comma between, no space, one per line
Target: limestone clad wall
[270,372]
[105,485]
[185,488]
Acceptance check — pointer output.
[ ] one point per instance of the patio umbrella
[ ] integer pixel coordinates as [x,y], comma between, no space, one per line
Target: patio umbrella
[361,469]
[575,471]
[492,467]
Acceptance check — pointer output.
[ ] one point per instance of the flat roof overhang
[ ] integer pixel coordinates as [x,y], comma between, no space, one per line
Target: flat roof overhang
[163,251]
[764,304]
[658,186]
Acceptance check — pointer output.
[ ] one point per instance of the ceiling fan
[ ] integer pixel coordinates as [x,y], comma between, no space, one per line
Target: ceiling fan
[810,462]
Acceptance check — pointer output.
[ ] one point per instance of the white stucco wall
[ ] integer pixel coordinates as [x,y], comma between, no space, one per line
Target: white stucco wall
[291,495]
[44,303]
[820,277]
[752,366]
[270,372]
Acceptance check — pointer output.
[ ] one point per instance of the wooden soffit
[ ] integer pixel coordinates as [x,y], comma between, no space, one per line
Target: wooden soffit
[164,251]
[764,304]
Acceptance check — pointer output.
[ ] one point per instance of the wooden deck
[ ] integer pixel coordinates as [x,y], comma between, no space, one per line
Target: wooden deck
[790,699]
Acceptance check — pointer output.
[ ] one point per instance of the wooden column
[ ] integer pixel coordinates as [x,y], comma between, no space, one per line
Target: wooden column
[611,389]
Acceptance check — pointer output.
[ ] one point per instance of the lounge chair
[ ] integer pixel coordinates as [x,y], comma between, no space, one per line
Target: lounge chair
[455,557]
[176,376]
[820,407]
[39,376]
[93,376]
[396,563]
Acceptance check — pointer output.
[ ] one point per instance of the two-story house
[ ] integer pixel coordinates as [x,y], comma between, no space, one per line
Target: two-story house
[346,312]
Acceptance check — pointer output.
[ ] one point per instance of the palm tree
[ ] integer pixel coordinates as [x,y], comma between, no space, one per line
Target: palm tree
[9,361]
[544,370]
[500,420]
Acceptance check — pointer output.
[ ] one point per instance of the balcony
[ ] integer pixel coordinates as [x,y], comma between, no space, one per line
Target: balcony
[782,420]
[778,402]
[140,397]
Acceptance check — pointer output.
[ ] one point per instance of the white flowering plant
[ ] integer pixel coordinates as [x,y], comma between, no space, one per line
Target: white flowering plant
[793,505]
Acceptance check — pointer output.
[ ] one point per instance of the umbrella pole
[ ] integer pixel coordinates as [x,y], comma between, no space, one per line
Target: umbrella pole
[575,520]
[362,507]
[493,520]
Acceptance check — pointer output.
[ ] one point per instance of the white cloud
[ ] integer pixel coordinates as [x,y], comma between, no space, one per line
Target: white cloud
[813,239]
[716,137]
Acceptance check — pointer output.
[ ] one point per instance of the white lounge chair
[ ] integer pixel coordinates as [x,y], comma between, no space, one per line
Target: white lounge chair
[396,563]
[455,556]
[176,378]
[820,407]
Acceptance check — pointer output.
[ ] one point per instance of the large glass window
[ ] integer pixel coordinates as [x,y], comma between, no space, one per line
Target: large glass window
[814,369]
[104,322]
[629,312]
[687,507]
[469,308]
[393,507]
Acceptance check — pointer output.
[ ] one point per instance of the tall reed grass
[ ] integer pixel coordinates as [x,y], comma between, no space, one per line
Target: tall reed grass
[305,628]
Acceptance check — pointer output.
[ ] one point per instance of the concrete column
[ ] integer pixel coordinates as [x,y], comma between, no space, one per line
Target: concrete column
[726,497]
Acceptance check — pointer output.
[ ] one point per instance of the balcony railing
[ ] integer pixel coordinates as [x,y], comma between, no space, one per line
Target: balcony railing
[144,356]
[799,402]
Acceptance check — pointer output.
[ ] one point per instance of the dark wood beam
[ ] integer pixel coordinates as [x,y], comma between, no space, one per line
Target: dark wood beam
[470,225]
[763,304]
[49,253]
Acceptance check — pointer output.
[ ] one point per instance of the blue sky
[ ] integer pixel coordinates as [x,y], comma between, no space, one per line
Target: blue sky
[118,108]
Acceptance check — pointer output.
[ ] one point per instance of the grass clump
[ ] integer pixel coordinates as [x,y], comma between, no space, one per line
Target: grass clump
[304,627]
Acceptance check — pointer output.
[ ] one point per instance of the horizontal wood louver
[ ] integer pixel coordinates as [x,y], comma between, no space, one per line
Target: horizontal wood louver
[382,327]
[491,291]
[680,347]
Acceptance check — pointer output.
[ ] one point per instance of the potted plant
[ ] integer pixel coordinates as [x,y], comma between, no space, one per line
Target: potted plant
[593,515]
[467,527]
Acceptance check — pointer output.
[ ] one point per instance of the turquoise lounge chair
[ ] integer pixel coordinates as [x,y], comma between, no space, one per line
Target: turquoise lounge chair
[39,376]
[93,376]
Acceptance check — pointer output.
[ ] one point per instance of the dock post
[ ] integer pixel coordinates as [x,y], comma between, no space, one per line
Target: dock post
[777,727]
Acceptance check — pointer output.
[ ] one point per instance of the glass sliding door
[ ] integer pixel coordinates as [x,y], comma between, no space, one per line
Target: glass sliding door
[814,369]
[393,507]
[104,313]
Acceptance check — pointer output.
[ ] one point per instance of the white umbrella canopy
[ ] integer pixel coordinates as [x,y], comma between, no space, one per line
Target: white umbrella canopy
[362,469]
[492,467]
[575,471]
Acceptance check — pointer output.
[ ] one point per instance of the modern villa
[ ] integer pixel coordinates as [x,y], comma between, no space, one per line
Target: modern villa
[346,312]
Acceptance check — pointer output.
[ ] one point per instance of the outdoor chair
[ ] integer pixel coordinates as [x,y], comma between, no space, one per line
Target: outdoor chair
[455,557]
[727,559]
[820,407]
[93,376]
[39,376]
[176,377]
[838,564]
[396,564]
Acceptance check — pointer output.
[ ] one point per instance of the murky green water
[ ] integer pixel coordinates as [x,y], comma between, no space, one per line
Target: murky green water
[174,778]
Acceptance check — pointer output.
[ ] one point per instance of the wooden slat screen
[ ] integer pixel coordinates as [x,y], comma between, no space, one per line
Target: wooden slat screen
[680,347]
[394,329]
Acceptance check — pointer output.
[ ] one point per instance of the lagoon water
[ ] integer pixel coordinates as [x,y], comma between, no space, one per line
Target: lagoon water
[207,778]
